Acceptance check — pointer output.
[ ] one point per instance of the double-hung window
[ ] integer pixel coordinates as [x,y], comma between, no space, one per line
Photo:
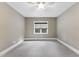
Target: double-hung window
[40,27]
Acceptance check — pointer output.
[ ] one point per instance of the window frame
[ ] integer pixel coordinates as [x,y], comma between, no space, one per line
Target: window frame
[40,30]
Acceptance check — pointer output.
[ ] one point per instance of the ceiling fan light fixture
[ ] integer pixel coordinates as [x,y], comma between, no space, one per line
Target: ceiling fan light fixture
[41,6]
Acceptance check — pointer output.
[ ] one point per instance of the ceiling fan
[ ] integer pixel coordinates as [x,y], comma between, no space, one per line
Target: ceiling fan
[41,5]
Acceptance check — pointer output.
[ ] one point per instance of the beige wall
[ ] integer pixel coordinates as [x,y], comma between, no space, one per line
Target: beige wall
[11,26]
[68,26]
[51,27]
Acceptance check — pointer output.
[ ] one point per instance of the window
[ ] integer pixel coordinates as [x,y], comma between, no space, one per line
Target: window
[40,27]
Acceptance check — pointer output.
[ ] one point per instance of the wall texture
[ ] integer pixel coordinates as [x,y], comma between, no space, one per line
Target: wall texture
[68,26]
[51,27]
[11,26]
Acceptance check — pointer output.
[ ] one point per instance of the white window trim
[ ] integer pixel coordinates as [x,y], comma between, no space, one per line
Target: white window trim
[34,27]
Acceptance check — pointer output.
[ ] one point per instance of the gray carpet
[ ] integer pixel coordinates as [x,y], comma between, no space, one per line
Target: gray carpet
[41,49]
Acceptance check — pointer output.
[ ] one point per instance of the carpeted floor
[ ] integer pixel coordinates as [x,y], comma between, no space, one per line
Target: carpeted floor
[41,49]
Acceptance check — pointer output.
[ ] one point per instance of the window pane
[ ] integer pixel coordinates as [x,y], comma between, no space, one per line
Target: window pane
[37,30]
[41,27]
[44,30]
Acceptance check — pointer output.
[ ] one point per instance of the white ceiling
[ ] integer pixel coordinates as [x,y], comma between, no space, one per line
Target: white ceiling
[32,11]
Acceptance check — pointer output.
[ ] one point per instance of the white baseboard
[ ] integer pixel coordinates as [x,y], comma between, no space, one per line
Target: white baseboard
[10,48]
[70,47]
[39,39]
